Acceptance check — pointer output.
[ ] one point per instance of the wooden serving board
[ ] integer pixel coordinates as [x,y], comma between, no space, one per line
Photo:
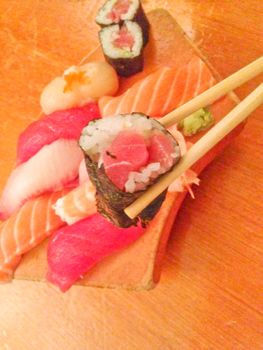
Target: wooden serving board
[145,256]
[210,293]
[138,266]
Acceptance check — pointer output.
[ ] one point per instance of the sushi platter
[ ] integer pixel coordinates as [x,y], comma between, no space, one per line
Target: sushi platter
[98,146]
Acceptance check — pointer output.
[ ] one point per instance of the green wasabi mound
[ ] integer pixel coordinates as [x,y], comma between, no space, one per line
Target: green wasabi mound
[198,121]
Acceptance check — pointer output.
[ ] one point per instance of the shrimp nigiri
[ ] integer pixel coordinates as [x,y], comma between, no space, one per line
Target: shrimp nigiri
[77,204]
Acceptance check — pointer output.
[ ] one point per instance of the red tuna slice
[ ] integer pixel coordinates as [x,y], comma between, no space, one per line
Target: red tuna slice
[160,149]
[127,146]
[128,152]
[121,7]
[65,124]
[125,39]
[118,173]
[75,249]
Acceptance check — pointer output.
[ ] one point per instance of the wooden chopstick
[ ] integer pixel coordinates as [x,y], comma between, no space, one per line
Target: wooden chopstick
[215,92]
[201,147]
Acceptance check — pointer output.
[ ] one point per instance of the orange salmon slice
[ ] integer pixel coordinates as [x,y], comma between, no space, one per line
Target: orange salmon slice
[25,229]
[162,91]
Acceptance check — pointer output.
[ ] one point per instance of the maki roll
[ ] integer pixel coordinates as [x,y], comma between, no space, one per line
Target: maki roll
[123,47]
[118,11]
[124,155]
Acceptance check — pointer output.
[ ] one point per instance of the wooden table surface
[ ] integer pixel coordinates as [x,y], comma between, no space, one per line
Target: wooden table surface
[211,291]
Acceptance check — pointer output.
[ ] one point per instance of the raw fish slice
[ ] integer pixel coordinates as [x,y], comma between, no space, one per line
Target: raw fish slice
[7,270]
[160,150]
[128,145]
[77,204]
[50,169]
[124,39]
[74,250]
[118,173]
[161,91]
[25,229]
[128,152]
[65,124]
[120,8]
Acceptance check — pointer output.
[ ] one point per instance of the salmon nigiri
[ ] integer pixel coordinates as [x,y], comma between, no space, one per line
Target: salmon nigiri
[161,91]
[25,229]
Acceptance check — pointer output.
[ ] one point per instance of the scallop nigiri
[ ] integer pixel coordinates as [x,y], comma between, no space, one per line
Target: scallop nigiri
[78,86]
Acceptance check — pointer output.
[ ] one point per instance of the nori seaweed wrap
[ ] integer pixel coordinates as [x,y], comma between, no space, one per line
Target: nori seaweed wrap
[118,11]
[122,46]
[124,155]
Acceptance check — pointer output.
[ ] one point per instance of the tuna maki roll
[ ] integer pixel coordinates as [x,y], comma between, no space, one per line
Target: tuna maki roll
[124,155]
[123,47]
[118,11]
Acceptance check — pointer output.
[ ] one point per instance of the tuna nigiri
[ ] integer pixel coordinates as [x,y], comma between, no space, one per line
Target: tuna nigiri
[75,249]
[66,124]
[161,91]
[51,168]
[24,230]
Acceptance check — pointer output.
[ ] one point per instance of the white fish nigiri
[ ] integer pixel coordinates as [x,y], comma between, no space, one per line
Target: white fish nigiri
[78,86]
[49,169]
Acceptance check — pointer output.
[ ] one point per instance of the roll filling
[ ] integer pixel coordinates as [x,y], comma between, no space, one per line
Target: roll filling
[123,46]
[118,11]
